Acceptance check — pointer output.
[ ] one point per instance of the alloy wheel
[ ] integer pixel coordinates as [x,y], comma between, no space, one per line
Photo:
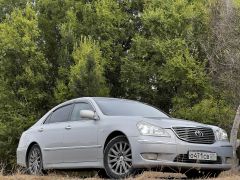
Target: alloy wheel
[118,158]
[35,161]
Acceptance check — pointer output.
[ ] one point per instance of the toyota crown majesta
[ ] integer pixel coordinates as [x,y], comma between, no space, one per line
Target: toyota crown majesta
[122,136]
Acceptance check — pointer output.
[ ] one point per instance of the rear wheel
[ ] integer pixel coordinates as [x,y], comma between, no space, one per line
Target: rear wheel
[34,161]
[118,158]
[192,174]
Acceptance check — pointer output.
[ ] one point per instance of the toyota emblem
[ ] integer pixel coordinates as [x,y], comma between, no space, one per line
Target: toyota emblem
[199,133]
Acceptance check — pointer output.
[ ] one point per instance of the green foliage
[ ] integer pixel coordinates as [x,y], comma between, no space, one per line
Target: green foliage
[86,73]
[109,24]
[23,78]
[6,7]
[23,65]
[162,66]
[209,111]
[13,121]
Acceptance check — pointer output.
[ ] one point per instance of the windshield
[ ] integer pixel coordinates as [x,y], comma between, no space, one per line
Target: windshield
[119,107]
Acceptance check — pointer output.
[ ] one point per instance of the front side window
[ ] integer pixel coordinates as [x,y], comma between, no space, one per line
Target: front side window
[77,108]
[60,115]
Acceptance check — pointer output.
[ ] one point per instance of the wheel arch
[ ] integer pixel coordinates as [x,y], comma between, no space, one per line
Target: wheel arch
[113,135]
[28,149]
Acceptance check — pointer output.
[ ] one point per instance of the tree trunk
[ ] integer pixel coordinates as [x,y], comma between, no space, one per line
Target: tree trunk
[233,138]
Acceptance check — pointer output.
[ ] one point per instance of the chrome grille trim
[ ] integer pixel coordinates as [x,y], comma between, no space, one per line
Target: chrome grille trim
[188,134]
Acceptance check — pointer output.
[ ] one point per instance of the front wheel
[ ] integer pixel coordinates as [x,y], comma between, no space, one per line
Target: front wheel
[118,158]
[34,161]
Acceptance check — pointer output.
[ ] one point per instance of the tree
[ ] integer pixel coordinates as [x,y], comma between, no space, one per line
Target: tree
[160,66]
[222,50]
[23,76]
[51,15]
[86,74]
[112,24]
[7,6]
[234,136]
[23,65]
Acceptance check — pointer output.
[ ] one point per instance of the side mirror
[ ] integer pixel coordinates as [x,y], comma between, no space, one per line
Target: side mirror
[88,114]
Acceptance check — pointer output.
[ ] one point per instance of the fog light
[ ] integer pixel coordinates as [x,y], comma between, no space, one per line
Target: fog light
[228,160]
[150,156]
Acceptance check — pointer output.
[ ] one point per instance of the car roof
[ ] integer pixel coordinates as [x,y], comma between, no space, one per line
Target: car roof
[91,98]
[99,98]
[110,98]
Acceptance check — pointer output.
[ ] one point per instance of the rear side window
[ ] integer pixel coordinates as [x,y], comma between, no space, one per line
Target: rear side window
[77,108]
[60,115]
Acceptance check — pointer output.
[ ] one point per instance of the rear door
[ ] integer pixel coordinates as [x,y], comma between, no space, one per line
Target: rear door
[80,139]
[51,134]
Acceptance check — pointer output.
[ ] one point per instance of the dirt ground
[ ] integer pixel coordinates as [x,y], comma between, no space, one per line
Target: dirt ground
[146,175]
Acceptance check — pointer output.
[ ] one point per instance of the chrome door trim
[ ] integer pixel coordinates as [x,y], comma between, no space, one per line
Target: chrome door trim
[73,147]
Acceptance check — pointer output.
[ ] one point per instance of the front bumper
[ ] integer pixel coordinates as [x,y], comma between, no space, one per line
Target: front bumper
[167,149]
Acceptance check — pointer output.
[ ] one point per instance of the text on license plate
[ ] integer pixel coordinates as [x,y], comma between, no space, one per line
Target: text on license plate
[202,155]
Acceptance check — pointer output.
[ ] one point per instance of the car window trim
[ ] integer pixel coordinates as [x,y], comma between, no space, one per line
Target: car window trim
[44,122]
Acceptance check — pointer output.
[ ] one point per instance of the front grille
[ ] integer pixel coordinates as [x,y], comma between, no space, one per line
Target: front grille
[184,158]
[199,135]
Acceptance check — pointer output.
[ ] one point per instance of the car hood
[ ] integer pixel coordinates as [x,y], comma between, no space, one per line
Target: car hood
[172,122]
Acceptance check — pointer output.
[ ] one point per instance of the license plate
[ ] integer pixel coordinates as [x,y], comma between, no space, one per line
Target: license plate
[202,155]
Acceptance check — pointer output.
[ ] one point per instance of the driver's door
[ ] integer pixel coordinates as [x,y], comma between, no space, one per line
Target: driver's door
[80,137]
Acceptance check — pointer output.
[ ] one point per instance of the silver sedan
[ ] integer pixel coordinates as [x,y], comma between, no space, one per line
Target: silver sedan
[122,136]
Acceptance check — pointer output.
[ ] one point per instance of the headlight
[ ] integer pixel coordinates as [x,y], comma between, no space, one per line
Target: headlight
[221,134]
[151,130]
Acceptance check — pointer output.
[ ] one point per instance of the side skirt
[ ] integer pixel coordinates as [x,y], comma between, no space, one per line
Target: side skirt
[82,165]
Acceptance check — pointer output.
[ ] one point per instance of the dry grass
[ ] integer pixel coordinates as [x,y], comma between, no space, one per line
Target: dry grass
[146,175]
[229,175]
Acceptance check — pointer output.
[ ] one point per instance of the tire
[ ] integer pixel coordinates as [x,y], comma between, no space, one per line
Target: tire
[203,174]
[118,158]
[34,161]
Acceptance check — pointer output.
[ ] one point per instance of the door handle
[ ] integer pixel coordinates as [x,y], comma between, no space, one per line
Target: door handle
[40,130]
[68,127]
